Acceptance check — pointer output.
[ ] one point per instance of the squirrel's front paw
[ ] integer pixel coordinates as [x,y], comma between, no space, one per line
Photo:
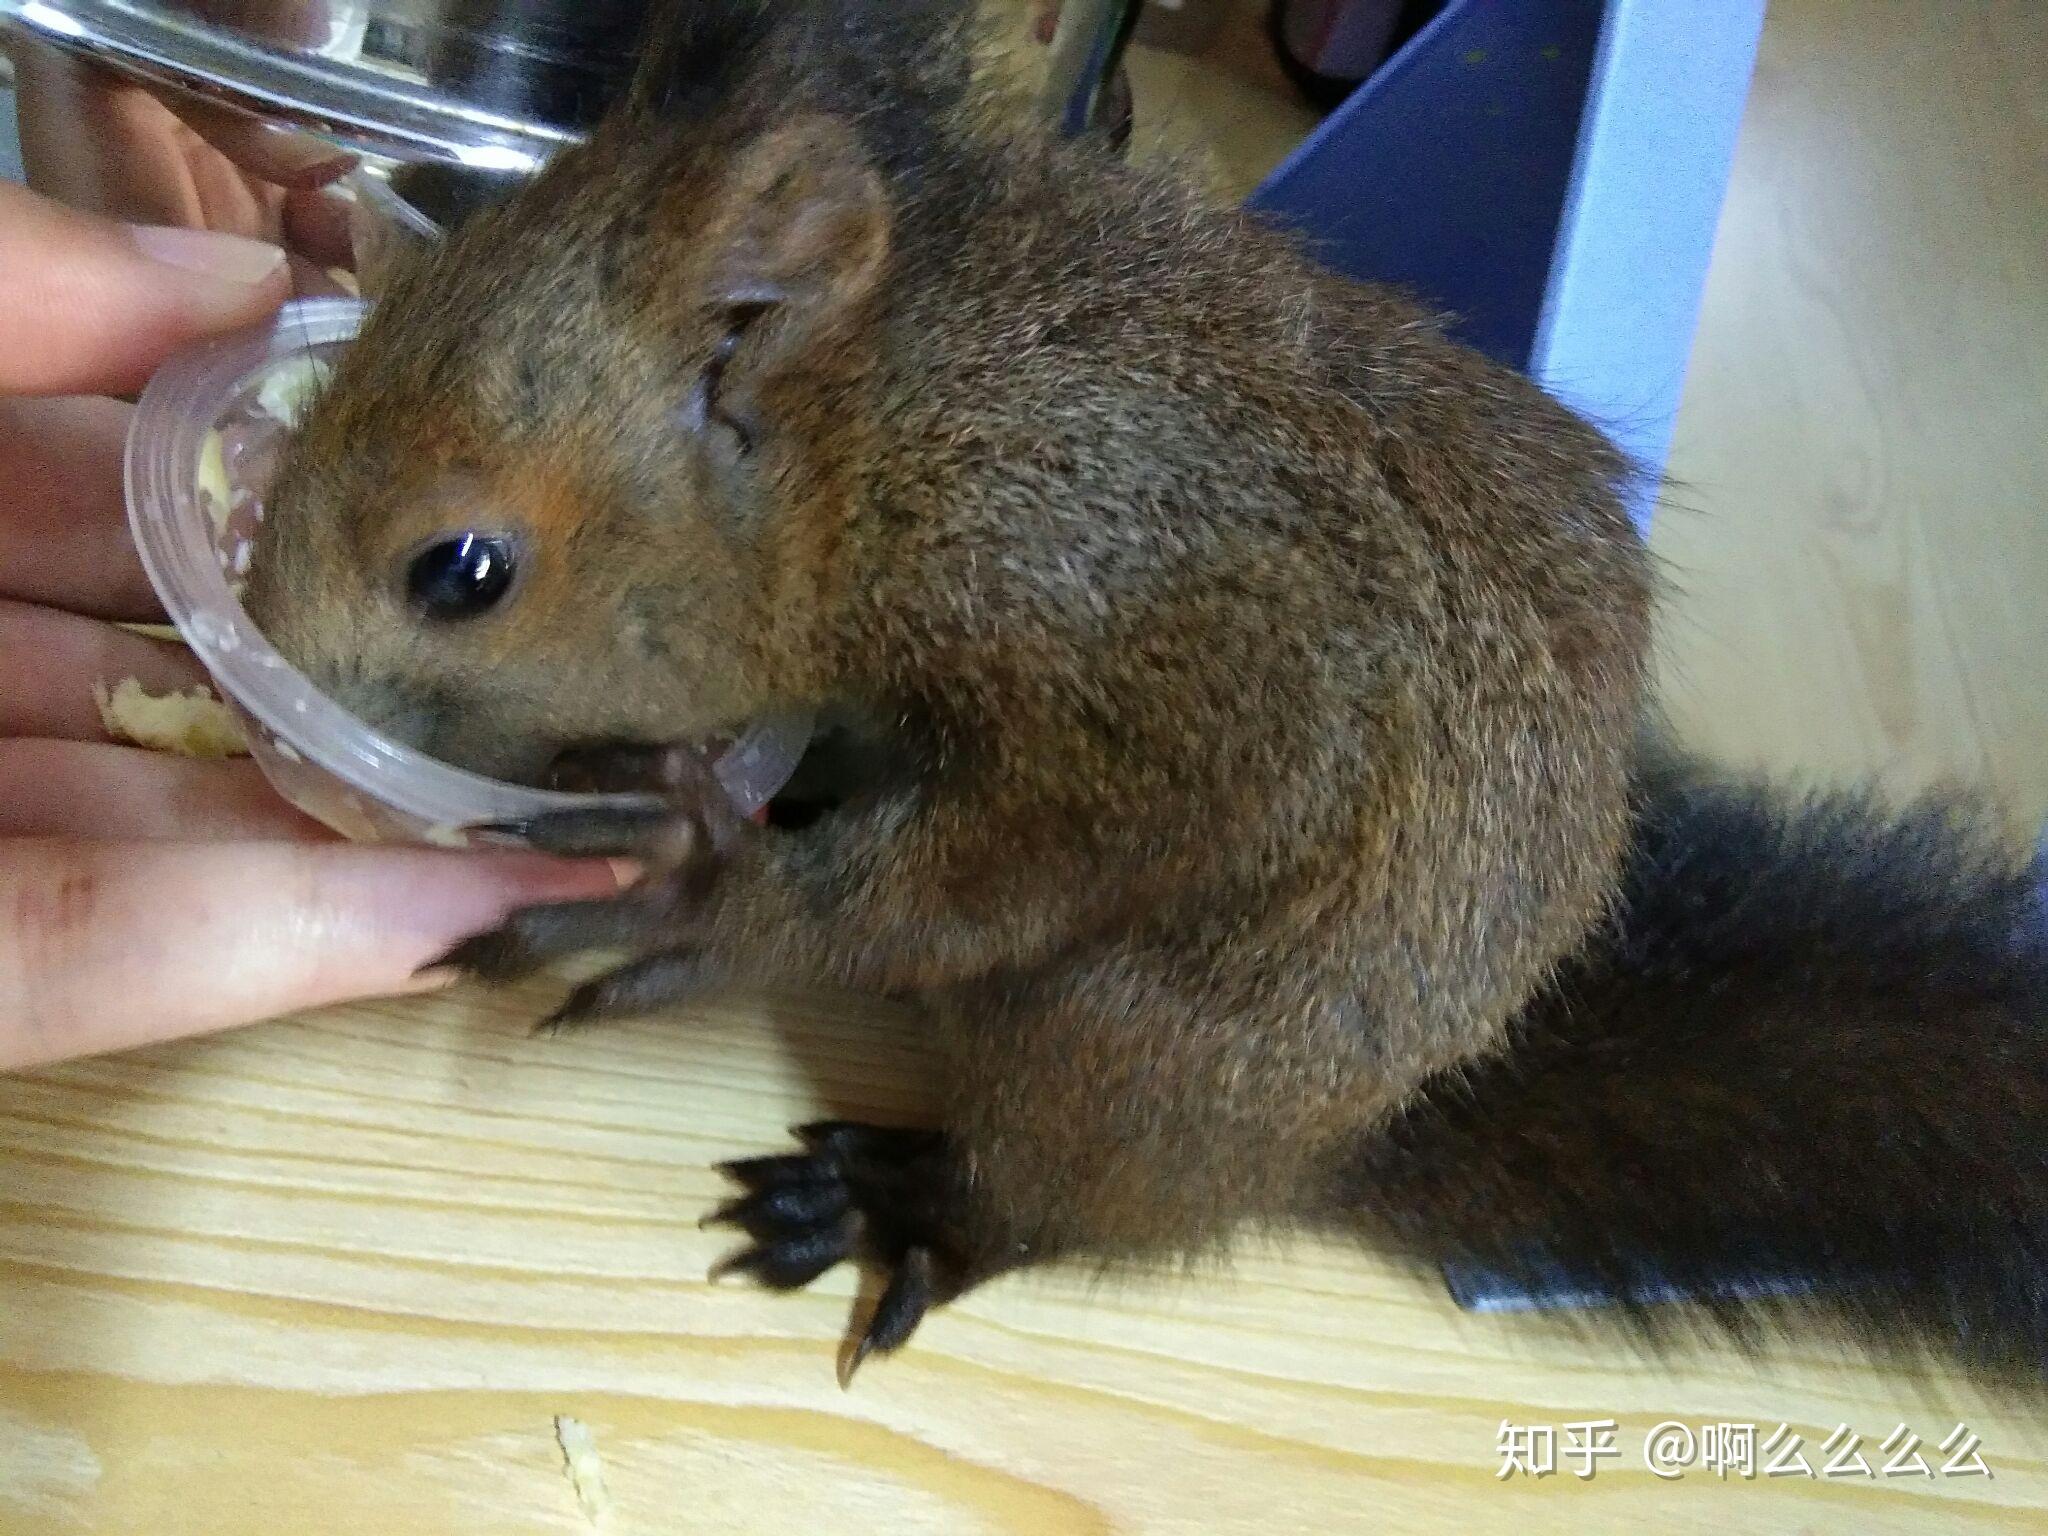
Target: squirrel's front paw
[683,820]
[889,1198]
[679,836]
[667,969]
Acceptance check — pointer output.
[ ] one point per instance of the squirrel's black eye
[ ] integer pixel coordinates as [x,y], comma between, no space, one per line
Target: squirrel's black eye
[461,577]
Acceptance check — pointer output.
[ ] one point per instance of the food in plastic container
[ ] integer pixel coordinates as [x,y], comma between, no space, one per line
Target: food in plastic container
[204,444]
[188,722]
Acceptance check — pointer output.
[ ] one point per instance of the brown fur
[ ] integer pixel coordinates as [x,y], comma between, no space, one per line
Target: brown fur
[1261,669]
[1233,689]
[1807,1055]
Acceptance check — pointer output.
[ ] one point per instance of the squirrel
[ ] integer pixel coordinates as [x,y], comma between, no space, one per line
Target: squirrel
[1235,726]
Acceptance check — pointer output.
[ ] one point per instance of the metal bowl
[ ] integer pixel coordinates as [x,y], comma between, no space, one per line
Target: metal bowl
[494,86]
[448,103]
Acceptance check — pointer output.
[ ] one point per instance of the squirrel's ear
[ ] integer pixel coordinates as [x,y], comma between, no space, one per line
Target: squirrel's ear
[801,223]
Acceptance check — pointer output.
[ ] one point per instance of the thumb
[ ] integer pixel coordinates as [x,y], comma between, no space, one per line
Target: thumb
[109,945]
[91,306]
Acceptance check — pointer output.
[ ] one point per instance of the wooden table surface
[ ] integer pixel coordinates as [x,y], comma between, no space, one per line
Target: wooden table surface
[343,1274]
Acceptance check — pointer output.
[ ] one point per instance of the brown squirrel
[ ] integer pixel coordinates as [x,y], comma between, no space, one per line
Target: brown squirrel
[1235,705]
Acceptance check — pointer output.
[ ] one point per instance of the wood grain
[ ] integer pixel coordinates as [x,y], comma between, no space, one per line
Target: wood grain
[1859,539]
[340,1274]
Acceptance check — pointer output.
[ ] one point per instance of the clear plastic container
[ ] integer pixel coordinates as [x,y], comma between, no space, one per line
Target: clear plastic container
[205,441]
[384,229]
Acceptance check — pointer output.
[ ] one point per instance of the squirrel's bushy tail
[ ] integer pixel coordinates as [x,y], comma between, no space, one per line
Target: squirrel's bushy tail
[1810,1050]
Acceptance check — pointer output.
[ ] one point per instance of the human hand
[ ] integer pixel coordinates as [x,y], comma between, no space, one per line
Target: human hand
[144,897]
[108,145]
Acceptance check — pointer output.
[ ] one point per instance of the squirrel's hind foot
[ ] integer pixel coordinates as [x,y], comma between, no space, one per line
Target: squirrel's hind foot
[883,1197]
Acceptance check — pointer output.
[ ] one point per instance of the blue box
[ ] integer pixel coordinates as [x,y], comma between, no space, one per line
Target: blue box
[1550,172]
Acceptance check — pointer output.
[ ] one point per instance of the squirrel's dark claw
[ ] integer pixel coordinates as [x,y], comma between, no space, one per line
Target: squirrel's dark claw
[858,1192]
[675,851]
[595,832]
[789,1262]
[496,955]
[533,938]
[642,987]
[912,1291]
[798,1214]
[781,1207]
[754,1173]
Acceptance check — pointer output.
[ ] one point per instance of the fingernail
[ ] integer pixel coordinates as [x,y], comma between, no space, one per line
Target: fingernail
[287,152]
[230,258]
[627,872]
[433,979]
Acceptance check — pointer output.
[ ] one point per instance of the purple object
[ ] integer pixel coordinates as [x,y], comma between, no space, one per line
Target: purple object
[1551,173]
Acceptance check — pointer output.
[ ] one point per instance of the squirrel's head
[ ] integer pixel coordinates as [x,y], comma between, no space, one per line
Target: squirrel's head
[582,475]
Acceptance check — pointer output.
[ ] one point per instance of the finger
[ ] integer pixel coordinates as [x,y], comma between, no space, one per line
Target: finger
[271,151]
[91,307]
[90,789]
[313,281]
[229,198]
[109,945]
[316,225]
[63,531]
[52,661]
[96,141]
